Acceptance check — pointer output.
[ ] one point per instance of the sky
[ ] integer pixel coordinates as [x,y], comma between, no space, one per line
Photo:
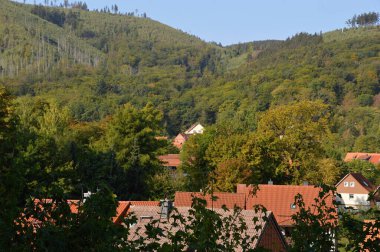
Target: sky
[234,21]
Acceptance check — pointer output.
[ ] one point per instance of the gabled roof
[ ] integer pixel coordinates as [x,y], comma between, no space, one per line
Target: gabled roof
[280,199]
[147,214]
[185,199]
[192,127]
[121,211]
[364,182]
[182,135]
[373,158]
[171,160]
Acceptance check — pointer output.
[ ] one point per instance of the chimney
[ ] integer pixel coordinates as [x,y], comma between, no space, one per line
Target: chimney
[270,182]
[305,183]
[166,206]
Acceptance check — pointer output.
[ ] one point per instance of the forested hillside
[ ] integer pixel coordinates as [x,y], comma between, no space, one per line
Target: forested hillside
[93,62]
[85,95]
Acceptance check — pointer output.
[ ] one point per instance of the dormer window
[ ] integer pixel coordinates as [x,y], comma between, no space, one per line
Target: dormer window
[345,184]
[352,184]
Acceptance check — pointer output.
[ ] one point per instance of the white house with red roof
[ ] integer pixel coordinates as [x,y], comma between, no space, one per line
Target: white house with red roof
[353,190]
[196,128]
[181,138]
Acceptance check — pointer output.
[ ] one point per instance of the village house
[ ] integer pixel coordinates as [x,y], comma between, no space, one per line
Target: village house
[353,192]
[260,224]
[279,199]
[171,161]
[196,128]
[181,138]
[373,158]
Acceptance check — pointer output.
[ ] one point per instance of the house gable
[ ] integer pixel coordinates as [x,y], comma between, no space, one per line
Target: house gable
[196,128]
[354,183]
[272,237]
[179,140]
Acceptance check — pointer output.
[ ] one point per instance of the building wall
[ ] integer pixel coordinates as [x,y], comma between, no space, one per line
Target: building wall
[196,130]
[358,201]
[179,141]
[271,238]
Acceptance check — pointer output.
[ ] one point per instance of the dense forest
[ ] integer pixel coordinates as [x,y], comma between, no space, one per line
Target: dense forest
[82,67]
[84,95]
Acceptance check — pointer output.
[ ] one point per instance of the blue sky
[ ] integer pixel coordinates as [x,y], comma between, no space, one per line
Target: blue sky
[234,21]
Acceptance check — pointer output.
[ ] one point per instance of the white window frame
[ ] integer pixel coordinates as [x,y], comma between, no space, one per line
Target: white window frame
[345,184]
[352,184]
[351,196]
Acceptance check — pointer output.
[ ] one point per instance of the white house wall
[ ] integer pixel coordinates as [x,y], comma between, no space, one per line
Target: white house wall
[359,200]
[196,130]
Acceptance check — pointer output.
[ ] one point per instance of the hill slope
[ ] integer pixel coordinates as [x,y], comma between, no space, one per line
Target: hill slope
[93,62]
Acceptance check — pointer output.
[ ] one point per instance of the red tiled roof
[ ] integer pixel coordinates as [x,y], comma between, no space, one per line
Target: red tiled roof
[373,233]
[374,158]
[145,203]
[280,198]
[121,211]
[171,160]
[74,204]
[184,199]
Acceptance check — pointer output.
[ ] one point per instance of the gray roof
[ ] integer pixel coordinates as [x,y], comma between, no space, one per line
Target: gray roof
[147,214]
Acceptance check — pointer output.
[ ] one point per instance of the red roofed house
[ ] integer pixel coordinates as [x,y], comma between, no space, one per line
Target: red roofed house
[258,223]
[184,199]
[172,161]
[180,140]
[280,199]
[196,128]
[353,190]
[373,158]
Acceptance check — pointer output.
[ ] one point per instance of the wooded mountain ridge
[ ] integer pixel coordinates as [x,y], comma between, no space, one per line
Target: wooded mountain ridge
[93,62]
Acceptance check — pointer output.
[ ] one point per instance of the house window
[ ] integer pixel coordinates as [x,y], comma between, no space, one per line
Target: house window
[352,184]
[351,196]
[345,184]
